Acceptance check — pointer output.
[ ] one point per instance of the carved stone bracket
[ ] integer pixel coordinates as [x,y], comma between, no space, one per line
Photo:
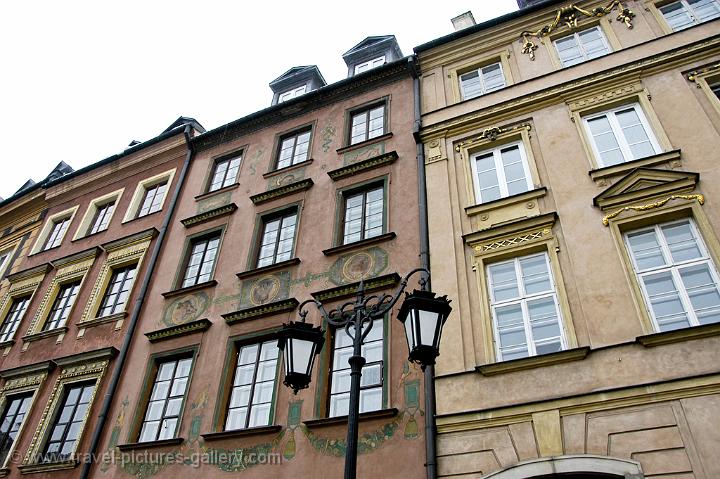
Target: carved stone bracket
[657,204]
[568,16]
[694,76]
[492,134]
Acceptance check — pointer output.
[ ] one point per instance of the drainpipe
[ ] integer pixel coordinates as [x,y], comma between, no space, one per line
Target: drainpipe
[115,380]
[429,383]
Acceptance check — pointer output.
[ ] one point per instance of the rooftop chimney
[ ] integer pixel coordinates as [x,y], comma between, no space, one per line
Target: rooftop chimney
[463,21]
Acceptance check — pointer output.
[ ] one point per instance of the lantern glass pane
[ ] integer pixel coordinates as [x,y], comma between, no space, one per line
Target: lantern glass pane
[427,321]
[301,351]
[409,330]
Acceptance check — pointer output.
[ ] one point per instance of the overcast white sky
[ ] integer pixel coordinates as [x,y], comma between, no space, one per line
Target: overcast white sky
[81,79]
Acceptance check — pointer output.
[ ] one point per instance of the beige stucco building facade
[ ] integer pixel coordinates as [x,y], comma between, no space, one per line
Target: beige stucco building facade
[571,158]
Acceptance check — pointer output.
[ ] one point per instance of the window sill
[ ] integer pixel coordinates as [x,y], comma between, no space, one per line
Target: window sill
[217,192]
[45,334]
[359,244]
[608,171]
[507,201]
[282,191]
[89,235]
[294,167]
[179,330]
[102,320]
[357,146]
[47,466]
[188,289]
[6,344]
[266,269]
[364,416]
[251,431]
[679,335]
[138,218]
[533,362]
[223,210]
[134,446]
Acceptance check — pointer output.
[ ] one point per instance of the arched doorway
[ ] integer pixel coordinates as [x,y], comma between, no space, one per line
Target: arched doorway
[572,467]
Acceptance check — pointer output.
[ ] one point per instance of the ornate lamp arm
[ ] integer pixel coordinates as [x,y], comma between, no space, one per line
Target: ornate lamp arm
[394,298]
[318,305]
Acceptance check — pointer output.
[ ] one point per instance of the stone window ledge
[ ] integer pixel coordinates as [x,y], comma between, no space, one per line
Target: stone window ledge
[533,362]
[196,287]
[45,334]
[217,192]
[622,168]
[267,269]
[47,466]
[134,446]
[179,330]
[359,244]
[357,146]
[294,167]
[102,320]
[507,201]
[251,431]
[364,416]
[679,335]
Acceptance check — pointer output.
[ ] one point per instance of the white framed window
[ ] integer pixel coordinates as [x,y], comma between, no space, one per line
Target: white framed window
[500,172]
[200,262]
[481,81]
[367,124]
[370,64]
[364,214]
[99,214]
[164,408]
[54,230]
[149,196]
[278,238]
[293,149]
[620,135]
[525,311]
[715,88]
[581,46]
[225,172]
[5,258]
[676,274]
[686,13]
[294,93]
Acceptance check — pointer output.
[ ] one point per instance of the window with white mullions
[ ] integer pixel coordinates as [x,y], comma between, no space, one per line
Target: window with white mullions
[117,291]
[716,90]
[370,64]
[500,172]
[61,306]
[481,81]
[277,240]
[152,199]
[102,217]
[367,124]
[620,135]
[364,215]
[524,303]
[16,408]
[201,262]
[293,149]
[68,422]
[13,318]
[289,95]
[676,274]
[166,399]
[225,173]
[371,382]
[253,386]
[686,13]
[581,46]
[57,233]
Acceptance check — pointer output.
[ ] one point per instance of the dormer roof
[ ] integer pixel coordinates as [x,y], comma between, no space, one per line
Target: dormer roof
[60,170]
[307,75]
[370,48]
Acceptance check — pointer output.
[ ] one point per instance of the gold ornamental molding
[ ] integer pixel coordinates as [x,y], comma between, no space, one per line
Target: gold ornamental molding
[695,75]
[569,16]
[657,204]
[492,134]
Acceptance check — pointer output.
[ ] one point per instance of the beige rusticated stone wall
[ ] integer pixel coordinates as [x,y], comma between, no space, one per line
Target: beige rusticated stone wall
[645,401]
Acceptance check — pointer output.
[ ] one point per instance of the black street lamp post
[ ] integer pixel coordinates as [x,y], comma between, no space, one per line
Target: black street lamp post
[422,314]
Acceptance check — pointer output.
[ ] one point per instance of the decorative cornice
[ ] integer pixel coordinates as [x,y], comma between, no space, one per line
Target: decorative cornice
[526,196]
[266,269]
[359,244]
[491,134]
[179,330]
[29,338]
[209,215]
[82,256]
[679,335]
[31,369]
[360,166]
[568,16]
[657,204]
[88,356]
[608,171]
[30,272]
[281,191]
[526,230]
[189,289]
[347,290]
[695,75]
[533,362]
[119,243]
[269,309]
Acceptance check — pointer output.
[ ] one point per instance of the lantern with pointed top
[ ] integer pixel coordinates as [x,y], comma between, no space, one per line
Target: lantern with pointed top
[300,343]
[423,316]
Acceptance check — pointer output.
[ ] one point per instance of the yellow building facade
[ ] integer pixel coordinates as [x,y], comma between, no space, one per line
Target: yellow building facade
[571,157]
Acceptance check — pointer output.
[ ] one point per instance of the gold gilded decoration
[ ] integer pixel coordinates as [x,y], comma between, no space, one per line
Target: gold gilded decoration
[492,134]
[568,17]
[694,76]
[264,290]
[657,204]
[358,266]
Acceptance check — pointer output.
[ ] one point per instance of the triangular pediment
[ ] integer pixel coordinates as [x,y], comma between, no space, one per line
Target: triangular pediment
[368,42]
[643,183]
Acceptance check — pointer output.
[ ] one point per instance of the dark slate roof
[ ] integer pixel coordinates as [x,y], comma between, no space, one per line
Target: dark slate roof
[297,72]
[368,42]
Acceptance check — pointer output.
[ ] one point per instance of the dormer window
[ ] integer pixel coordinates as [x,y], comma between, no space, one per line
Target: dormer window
[294,93]
[370,64]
